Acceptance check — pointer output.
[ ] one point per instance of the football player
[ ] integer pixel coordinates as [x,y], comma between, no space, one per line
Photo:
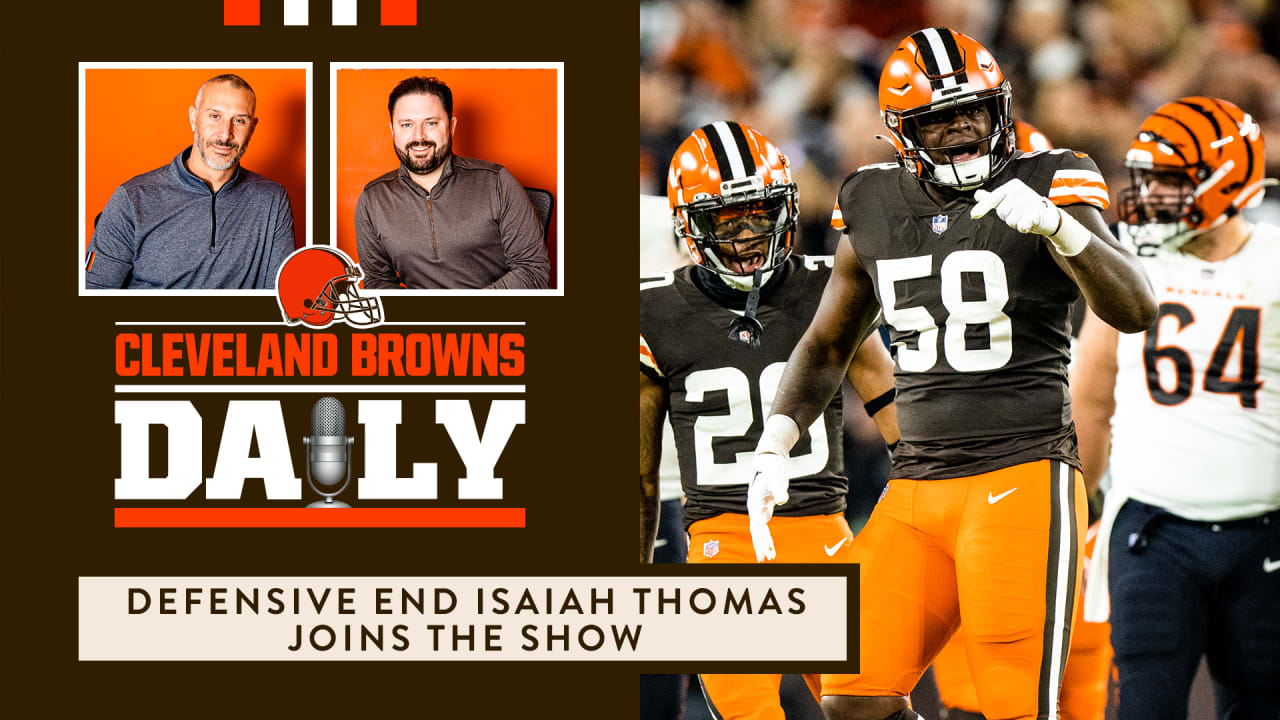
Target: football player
[1084,681]
[1189,415]
[714,337]
[974,252]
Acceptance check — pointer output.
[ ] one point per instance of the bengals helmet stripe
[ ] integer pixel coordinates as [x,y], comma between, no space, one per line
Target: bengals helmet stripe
[943,63]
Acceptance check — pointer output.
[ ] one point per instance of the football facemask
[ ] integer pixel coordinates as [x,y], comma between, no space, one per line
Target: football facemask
[742,237]
[732,201]
[1194,164]
[938,70]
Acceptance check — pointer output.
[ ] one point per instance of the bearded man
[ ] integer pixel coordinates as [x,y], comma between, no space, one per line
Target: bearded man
[201,221]
[443,221]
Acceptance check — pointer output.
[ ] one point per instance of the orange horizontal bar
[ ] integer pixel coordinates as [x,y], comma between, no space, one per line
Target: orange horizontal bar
[319,517]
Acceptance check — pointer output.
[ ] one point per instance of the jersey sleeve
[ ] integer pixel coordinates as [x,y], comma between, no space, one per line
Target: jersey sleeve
[650,324]
[648,363]
[860,183]
[837,218]
[1077,181]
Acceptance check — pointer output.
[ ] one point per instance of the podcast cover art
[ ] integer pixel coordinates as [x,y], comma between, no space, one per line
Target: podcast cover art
[220,425]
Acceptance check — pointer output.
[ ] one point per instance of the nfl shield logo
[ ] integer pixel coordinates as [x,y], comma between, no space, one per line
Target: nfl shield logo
[710,548]
[939,224]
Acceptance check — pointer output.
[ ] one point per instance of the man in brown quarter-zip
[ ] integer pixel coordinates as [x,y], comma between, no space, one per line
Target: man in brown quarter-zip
[442,221]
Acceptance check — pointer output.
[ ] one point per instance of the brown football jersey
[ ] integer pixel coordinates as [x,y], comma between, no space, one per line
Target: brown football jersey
[721,390]
[977,316]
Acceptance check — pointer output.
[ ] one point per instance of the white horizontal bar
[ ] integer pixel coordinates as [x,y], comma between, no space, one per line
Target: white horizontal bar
[352,389]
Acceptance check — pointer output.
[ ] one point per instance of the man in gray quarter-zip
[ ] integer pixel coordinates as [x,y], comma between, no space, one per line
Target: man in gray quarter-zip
[442,221]
[201,221]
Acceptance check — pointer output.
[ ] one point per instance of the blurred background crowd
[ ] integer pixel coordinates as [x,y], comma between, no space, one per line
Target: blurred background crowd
[805,72]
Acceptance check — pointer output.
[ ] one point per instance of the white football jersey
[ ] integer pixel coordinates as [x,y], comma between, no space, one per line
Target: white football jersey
[1197,423]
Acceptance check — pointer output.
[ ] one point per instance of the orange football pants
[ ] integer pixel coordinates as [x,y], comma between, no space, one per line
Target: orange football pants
[1002,549]
[1084,685]
[726,538]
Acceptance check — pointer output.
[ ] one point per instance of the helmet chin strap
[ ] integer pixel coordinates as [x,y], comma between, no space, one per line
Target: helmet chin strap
[747,329]
[746,283]
[963,175]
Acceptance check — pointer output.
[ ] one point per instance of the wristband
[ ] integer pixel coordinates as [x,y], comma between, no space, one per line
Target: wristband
[877,403]
[1071,237]
[780,434]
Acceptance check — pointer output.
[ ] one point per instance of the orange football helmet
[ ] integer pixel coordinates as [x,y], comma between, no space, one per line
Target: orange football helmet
[732,199]
[938,70]
[1195,163]
[1028,139]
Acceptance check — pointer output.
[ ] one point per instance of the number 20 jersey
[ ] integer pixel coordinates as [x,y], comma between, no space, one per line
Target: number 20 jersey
[720,390]
[977,315]
[1197,423]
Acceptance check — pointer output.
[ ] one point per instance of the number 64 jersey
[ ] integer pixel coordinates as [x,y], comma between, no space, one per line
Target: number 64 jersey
[720,390]
[1197,423]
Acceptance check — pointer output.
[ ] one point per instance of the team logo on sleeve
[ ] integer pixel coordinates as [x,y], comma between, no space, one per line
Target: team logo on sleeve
[317,286]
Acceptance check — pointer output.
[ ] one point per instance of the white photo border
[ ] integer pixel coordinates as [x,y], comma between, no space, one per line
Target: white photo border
[334,67]
[230,65]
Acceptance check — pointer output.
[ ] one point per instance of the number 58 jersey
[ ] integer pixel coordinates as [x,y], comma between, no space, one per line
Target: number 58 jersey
[977,315]
[1196,428]
[720,390]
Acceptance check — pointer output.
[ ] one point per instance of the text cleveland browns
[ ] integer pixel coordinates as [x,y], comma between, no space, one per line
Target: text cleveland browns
[437,354]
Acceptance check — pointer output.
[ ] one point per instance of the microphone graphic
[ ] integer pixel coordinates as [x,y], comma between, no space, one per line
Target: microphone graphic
[328,452]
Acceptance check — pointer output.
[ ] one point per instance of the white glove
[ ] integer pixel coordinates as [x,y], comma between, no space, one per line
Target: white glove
[768,487]
[1020,207]
[1027,211]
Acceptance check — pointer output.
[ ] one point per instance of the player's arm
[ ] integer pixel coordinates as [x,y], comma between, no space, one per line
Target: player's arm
[1110,278]
[653,409]
[813,374]
[1112,281]
[871,375]
[1093,383]
[821,359]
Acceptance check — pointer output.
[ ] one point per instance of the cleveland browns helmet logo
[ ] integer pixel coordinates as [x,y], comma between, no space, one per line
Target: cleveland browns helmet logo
[317,286]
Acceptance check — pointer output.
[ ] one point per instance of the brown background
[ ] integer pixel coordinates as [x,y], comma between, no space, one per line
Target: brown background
[573,459]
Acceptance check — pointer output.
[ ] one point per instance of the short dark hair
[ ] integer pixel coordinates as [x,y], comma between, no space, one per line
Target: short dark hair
[421,86]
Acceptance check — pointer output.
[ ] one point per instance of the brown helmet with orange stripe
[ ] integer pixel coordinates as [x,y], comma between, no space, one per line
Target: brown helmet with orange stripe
[1195,163]
[939,72]
[732,200]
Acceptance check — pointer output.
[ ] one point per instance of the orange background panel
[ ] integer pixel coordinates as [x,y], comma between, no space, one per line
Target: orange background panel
[136,121]
[240,12]
[507,116]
